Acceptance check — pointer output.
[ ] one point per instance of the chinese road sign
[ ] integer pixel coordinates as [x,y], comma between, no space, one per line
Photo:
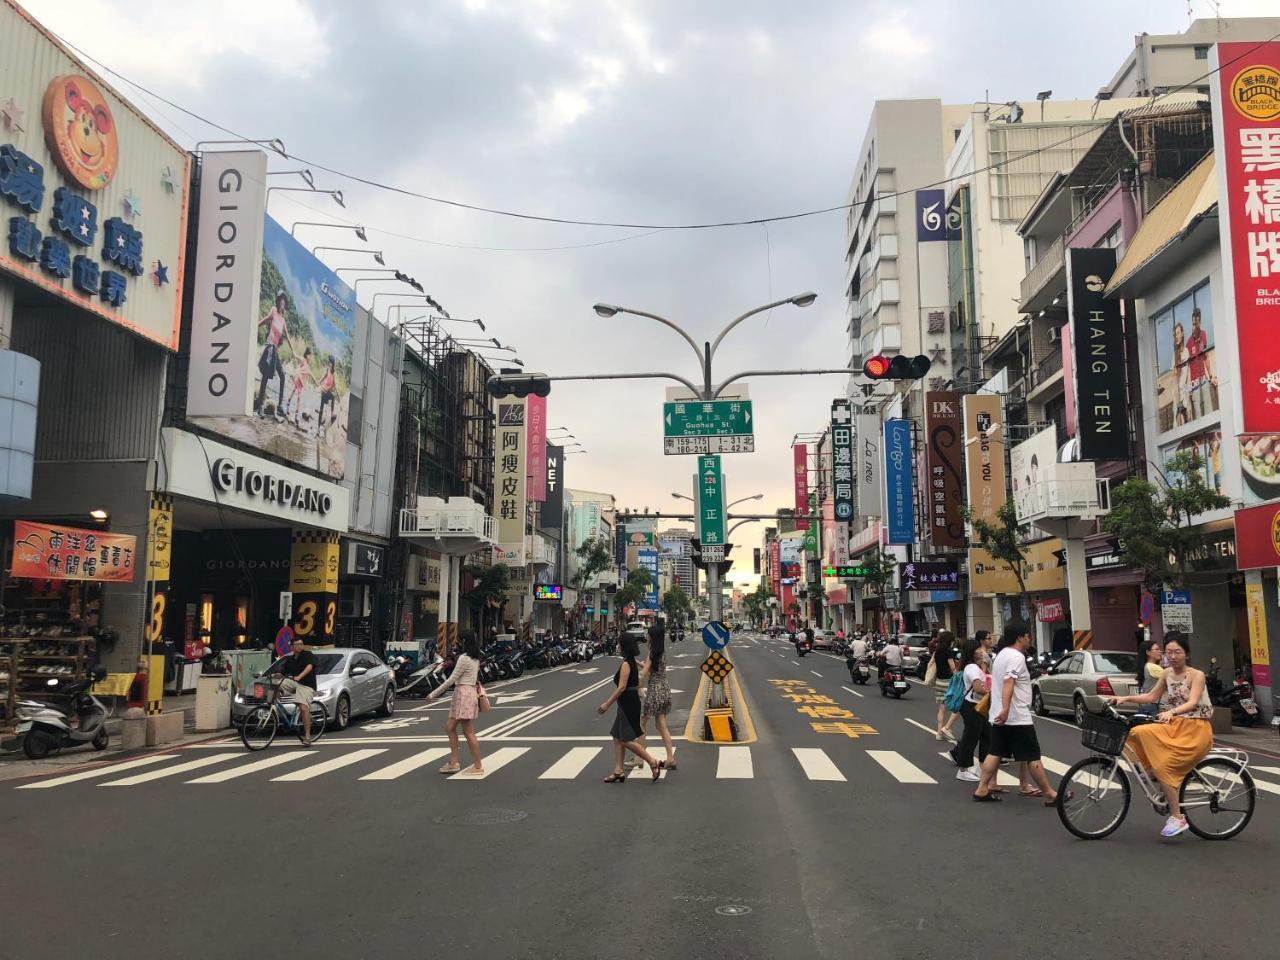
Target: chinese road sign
[716,666]
[930,575]
[842,460]
[715,635]
[707,427]
[709,485]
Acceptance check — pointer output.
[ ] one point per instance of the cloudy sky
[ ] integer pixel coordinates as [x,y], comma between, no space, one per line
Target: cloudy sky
[661,112]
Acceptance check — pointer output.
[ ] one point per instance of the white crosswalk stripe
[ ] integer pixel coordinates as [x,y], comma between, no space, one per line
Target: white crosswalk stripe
[816,764]
[244,769]
[101,771]
[327,766]
[899,767]
[734,763]
[571,764]
[408,765]
[492,763]
[170,770]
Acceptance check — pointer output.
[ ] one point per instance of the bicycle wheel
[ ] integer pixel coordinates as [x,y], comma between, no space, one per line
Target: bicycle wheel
[1217,798]
[319,719]
[259,728]
[1093,797]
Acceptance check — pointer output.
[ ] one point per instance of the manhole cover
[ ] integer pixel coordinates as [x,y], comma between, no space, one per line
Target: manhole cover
[483,818]
[733,910]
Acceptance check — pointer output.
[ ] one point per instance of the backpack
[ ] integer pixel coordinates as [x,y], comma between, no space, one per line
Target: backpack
[953,699]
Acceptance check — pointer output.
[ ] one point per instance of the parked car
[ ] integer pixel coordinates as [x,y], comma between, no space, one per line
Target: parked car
[1082,678]
[638,629]
[351,683]
[823,639]
[915,654]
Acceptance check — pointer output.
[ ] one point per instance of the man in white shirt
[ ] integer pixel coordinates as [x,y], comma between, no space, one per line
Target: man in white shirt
[892,652]
[1013,733]
[859,647]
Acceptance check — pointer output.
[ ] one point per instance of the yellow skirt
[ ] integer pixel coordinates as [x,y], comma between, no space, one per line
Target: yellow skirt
[1171,749]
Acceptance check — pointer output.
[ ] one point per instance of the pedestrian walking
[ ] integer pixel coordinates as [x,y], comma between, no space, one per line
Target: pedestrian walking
[626,730]
[1183,735]
[1013,732]
[944,667]
[975,739]
[1150,653]
[468,701]
[657,697]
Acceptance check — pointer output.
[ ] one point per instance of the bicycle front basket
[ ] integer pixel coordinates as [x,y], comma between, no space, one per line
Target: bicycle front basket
[1103,734]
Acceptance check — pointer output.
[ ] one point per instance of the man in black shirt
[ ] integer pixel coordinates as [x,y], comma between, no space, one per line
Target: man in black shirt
[300,668]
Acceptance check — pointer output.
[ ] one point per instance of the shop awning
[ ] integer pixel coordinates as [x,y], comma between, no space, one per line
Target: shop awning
[1177,213]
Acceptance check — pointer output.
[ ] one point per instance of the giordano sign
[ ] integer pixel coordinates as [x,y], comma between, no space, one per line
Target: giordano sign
[228,476]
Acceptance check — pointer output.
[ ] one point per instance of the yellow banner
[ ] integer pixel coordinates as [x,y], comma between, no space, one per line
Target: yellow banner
[313,563]
[1259,648]
[1040,570]
[160,538]
[984,455]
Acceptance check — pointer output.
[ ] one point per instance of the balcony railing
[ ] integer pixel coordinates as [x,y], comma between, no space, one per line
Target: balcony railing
[457,518]
[543,552]
[1048,366]
[1045,269]
[1071,497]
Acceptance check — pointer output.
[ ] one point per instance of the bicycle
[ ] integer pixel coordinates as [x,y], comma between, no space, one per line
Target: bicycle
[260,727]
[1220,784]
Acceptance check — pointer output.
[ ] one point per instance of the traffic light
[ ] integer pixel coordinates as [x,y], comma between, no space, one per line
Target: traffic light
[519,384]
[899,367]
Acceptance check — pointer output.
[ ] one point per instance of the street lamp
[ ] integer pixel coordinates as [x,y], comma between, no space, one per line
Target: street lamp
[376,254]
[304,174]
[336,194]
[358,228]
[271,143]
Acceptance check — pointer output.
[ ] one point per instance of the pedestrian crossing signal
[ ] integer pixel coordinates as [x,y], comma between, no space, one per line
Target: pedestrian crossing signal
[880,367]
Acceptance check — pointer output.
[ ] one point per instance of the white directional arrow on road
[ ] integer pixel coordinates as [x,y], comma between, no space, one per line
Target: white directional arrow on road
[513,697]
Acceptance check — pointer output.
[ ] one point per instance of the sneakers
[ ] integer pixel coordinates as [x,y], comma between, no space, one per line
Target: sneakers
[947,735]
[969,776]
[1174,826]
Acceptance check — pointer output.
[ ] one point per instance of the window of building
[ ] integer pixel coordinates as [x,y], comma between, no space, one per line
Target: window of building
[1202,53]
[1186,366]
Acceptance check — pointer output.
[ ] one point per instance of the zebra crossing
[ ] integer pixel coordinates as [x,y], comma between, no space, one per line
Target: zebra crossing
[541,762]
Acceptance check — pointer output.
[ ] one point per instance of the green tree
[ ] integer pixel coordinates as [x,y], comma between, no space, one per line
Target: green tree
[1156,526]
[677,605]
[1003,540]
[489,586]
[757,605]
[633,591]
[594,557]
[880,567]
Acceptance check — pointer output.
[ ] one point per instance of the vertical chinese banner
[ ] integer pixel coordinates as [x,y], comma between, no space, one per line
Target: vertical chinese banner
[1259,648]
[159,563]
[1246,126]
[313,578]
[775,569]
[800,458]
[536,473]
[984,455]
[942,507]
[509,481]
[900,511]
[867,467]
[842,460]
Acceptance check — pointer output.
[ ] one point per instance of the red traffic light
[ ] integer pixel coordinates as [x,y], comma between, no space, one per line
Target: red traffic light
[876,367]
[899,367]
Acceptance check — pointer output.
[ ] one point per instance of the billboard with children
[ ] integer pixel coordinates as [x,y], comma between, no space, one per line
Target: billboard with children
[300,361]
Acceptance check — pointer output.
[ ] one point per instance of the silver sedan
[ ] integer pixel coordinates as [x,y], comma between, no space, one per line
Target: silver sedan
[1082,678]
[352,682]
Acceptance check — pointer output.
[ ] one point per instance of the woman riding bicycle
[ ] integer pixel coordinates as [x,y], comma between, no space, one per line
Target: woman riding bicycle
[1181,736]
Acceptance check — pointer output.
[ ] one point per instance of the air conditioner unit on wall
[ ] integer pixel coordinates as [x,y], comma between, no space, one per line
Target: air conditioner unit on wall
[1055,334]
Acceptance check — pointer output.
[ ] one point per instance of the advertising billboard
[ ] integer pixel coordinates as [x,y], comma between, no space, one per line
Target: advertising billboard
[509,480]
[1186,364]
[1246,127]
[649,561]
[552,515]
[45,552]
[299,360]
[866,455]
[1030,462]
[94,196]
[537,438]
[943,426]
[548,591]
[900,515]
[842,461]
[984,454]
[1097,331]
[800,469]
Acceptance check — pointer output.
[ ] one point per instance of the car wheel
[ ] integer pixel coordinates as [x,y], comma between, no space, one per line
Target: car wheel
[1037,703]
[1078,710]
[388,702]
[342,713]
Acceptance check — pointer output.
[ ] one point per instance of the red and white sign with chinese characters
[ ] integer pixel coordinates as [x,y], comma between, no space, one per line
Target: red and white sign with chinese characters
[537,467]
[44,552]
[800,457]
[1246,117]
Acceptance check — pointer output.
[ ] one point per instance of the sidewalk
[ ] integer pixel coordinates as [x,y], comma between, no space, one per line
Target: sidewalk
[1262,740]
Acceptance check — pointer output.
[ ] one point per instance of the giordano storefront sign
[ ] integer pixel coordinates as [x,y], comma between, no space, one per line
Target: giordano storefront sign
[203,469]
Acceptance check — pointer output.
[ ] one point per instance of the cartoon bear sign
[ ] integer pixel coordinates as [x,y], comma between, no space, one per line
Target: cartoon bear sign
[80,131]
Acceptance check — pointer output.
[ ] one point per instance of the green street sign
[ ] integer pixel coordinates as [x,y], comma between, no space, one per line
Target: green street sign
[811,532]
[707,427]
[709,483]
[848,572]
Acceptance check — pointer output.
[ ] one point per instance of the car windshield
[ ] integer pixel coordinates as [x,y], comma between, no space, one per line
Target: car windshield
[1115,662]
[326,664]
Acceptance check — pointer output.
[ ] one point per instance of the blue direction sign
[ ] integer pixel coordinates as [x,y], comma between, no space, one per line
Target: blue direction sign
[715,635]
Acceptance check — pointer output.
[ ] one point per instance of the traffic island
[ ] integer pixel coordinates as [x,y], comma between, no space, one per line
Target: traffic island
[719,713]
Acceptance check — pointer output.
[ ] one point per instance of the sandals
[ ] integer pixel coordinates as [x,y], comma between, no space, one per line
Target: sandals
[1033,792]
[667,764]
[987,798]
[656,769]
[616,778]
[451,768]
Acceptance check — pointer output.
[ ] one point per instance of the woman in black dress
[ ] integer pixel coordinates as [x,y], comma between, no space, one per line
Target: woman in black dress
[626,730]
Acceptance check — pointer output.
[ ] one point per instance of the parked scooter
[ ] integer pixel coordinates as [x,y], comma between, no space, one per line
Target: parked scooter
[1238,698]
[45,728]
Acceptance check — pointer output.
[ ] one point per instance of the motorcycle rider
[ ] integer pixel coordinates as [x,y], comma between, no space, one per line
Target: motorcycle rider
[891,655]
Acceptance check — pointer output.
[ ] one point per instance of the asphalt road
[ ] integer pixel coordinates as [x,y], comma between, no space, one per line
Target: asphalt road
[806,843]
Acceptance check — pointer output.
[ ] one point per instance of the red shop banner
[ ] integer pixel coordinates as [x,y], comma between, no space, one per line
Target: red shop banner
[1247,144]
[800,457]
[46,552]
[1258,537]
[1050,611]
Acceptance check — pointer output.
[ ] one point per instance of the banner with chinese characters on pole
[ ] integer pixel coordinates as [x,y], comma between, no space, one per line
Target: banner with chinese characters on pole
[800,460]
[943,426]
[46,552]
[536,429]
[1246,128]
[509,481]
